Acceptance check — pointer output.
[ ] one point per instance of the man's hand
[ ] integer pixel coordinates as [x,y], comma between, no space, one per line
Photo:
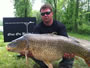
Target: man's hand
[67,55]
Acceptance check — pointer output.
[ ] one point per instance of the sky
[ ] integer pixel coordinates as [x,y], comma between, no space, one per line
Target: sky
[37,5]
[7,8]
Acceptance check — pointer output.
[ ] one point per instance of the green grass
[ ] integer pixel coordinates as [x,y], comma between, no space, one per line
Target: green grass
[9,59]
[81,36]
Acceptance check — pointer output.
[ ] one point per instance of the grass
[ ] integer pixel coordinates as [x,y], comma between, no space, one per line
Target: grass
[9,59]
[81,36]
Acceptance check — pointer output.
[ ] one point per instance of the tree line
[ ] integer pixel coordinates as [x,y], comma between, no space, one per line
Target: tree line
[75,14]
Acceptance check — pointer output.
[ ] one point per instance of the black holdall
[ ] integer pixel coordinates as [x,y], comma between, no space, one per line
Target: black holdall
[16,27]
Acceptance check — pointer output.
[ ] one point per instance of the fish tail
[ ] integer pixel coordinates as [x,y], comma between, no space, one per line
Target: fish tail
[88,61]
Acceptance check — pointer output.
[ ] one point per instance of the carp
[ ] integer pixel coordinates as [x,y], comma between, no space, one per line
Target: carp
[48,47]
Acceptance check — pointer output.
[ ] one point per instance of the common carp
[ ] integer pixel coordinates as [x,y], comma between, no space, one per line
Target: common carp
[48,47]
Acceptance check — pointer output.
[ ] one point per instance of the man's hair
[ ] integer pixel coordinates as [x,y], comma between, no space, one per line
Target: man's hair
[45,6]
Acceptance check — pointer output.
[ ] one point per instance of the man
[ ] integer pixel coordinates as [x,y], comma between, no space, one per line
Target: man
[48,25]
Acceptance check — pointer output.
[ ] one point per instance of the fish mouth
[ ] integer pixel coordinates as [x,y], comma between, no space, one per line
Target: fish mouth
[14,49]
[9,48]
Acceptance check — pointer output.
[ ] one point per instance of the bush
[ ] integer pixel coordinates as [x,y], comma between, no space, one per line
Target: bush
[84,29]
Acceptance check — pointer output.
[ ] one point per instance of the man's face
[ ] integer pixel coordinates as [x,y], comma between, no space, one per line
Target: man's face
[46,15]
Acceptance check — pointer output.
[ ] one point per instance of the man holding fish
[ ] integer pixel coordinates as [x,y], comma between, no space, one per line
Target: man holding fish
[49,25]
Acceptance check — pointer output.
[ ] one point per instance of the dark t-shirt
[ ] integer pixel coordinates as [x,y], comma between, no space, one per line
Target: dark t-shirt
[57,28]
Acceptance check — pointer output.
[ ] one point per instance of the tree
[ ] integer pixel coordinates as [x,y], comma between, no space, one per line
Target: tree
[37,15]
[76,16]
[23,8]
[88,9]
[88,5]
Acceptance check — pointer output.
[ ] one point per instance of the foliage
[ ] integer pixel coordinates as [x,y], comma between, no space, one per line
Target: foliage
[69,15]
[85,29]
[23,8]
[37,15]
[87,15]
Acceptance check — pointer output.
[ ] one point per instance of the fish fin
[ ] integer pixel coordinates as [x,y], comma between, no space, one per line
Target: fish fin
[77,58]
[53,33]
[88,62]
[74,39]
[48,64]
[88,65]
[26,56]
